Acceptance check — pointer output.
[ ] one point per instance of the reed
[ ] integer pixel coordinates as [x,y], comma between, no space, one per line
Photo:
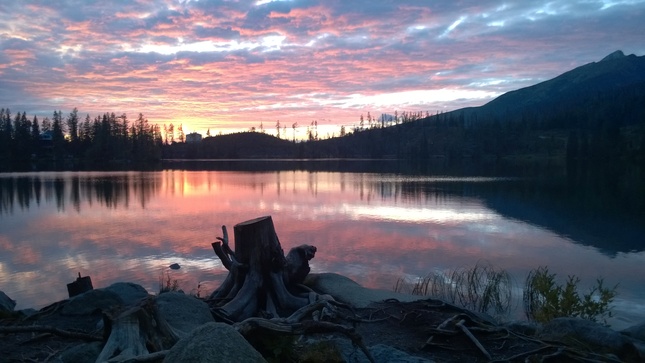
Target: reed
[482,288]
[487,289]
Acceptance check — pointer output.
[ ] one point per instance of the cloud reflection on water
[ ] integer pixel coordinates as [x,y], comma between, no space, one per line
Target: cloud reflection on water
[373,228]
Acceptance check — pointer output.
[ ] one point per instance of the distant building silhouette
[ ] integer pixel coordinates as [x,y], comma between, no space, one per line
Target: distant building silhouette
[47,139]
[193,138]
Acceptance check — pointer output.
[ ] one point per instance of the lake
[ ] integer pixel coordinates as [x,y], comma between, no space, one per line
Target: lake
[373,221]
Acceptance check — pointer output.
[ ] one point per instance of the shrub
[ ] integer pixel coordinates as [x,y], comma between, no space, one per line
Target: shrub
[545,300]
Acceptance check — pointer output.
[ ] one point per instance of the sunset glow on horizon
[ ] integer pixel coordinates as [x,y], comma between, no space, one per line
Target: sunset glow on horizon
[229,66]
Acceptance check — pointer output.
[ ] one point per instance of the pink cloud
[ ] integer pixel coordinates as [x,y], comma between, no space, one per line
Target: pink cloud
[215,66]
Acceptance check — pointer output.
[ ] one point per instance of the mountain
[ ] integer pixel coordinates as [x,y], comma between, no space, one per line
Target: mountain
[613,74]
[593,112]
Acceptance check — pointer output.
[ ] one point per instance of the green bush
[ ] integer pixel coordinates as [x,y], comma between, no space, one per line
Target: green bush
[545,300]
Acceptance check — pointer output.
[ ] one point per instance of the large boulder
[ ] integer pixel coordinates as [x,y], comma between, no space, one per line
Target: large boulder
[129,292]
[121,294]
[90,302]
[385,353]
[586,334]
[527,328]
[635,331]
[380,352]
[6,303]
[637,334]
[213,342]
[183,312]
[350,292]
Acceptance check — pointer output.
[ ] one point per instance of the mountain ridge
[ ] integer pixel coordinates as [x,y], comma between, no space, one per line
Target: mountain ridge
[613,72]
[594,111]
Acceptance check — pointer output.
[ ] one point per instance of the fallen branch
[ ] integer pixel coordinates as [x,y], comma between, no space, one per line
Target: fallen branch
[472,338]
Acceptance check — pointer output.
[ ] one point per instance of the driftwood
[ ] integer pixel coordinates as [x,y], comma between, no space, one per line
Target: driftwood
[261,282]
[135,332]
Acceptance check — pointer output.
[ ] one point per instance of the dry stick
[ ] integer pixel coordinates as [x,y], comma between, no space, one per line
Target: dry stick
[523,354]
[224,239]
[470,335]
[50,330]
[223,256]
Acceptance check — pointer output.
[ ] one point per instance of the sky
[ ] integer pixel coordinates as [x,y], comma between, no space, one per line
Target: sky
[227,66]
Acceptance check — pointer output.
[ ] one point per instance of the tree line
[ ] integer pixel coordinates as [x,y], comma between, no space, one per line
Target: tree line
[68,142]
[608,126]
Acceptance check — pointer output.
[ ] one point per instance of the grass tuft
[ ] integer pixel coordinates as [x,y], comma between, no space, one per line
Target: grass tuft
[166,283]
[487,289]
[482,288]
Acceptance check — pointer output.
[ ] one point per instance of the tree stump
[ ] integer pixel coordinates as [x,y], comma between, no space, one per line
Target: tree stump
[136,332]
[261,280]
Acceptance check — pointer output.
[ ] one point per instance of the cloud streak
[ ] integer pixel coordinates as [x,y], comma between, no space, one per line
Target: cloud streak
[231,65]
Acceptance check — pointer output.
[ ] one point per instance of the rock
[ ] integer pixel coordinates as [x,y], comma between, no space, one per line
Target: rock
[87,352]
[635,331]
[28,312]
[117,294]
[586,334]
[637,334]
[129,292]
[385,353]
[213,342]
[523,327]
[6,303]
[91,302]
[381,353]
[183,312]
[348,291]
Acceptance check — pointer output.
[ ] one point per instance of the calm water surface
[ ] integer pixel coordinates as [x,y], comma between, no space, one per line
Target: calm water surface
[374,227]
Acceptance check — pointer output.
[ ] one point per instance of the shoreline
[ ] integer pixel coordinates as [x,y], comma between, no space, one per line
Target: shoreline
[389,334]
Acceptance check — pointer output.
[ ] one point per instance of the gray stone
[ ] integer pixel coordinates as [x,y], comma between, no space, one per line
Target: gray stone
[523,327]
[380,353]
[6,303]
[385,353]
[637,334]
[87,352]
[587,334]
[348,291]
[28,312]
[90,302]
[640,346]
[129,292]
[183,312]
[118,294]
[635,331]
[213,342]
